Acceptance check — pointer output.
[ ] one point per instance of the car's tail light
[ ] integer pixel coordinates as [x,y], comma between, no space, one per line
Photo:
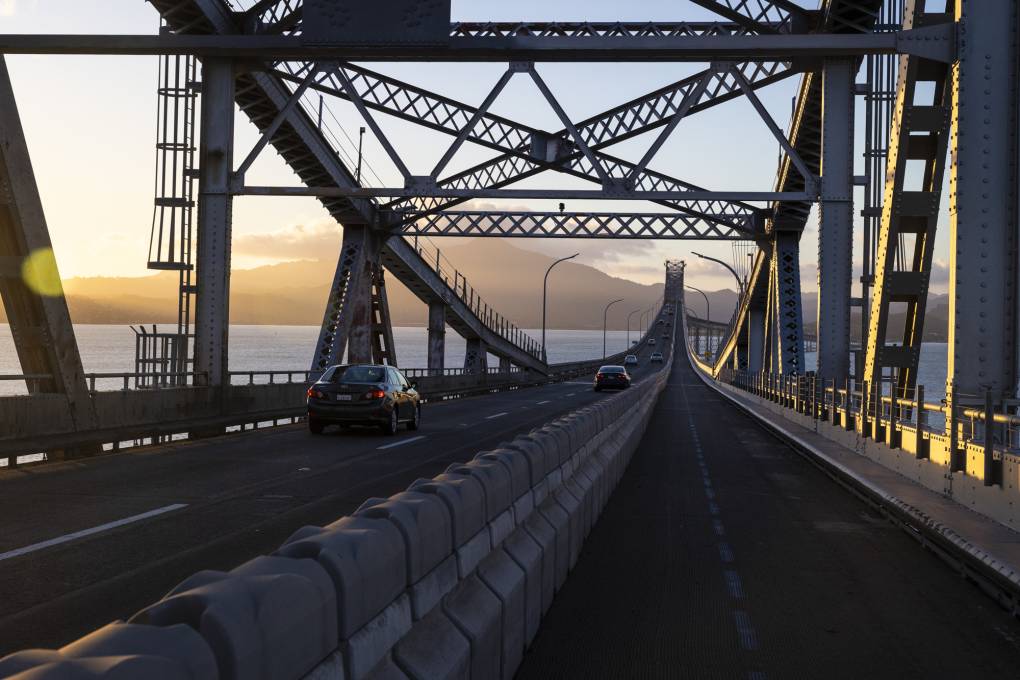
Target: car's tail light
[375,394]
[312,392]
[598,376]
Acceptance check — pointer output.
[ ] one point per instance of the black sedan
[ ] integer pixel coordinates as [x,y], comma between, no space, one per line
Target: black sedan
[612,377]
[363,395]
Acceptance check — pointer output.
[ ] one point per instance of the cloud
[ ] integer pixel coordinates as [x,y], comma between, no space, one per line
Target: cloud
[316,241]
[7,8]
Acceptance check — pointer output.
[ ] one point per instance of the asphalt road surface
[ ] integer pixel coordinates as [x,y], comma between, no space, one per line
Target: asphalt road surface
[723,554]
[86,543]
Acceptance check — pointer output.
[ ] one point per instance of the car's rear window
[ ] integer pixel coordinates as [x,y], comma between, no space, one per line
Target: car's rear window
[612,369]
[360,374]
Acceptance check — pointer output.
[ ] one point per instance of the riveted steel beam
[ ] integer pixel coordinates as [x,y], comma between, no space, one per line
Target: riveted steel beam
[515,48]
[657,226]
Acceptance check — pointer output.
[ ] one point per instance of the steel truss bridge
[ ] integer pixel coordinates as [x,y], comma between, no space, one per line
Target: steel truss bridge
[934,83]
[906,65]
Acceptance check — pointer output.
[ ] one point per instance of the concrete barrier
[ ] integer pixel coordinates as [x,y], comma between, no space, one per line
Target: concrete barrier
[448,579]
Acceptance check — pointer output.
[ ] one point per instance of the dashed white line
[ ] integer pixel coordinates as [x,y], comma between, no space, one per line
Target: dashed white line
[543,403]
[572,394]
[733,585]
[745,631]
[400,443]
[496,415]
[89,532]
[725,554]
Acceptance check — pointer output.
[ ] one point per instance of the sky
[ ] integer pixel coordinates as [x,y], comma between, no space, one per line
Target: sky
[90,124]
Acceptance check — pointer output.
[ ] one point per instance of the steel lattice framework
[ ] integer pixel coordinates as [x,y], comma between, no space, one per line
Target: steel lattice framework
[655,226]
[270,65]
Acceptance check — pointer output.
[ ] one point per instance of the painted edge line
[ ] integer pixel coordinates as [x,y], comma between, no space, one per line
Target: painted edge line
[987,570]
[66,538]
[400,443]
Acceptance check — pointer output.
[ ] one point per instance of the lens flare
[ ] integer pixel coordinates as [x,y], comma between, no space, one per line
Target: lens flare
[39,272]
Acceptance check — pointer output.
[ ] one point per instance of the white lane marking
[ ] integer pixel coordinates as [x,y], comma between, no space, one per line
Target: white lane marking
[745,631]
[496,415]
[89,532]
[401,443]
[572,394]
[725,553]
[543,403]
[734,585]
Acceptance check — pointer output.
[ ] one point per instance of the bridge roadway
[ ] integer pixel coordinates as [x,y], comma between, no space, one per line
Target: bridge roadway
[244,494]
[723,554]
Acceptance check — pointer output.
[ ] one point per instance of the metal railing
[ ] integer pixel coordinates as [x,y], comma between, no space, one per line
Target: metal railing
[962,422]
[459,286]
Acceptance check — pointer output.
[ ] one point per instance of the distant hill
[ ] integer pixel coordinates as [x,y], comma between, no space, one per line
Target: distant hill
[294,293]
[507,277]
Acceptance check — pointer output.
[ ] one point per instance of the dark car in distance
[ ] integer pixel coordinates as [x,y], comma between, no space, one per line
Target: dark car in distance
[612,377]
[363,394]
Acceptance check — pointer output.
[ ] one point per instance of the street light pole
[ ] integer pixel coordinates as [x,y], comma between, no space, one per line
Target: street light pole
[740,284]
[628,325]
[545,286]
[708,309]
[361,141]
[605,317]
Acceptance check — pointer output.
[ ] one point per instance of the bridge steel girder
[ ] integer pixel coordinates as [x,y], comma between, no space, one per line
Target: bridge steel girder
[524,224]
[347,322]
[261,96]
[786,325]
[984,255]
[384,349]
[835,230]
[437,336]
[919,133]
[215,214]
[525,148]
[38,316]
[476,356]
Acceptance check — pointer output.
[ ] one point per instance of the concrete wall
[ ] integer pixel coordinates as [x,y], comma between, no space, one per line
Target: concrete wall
[448,579]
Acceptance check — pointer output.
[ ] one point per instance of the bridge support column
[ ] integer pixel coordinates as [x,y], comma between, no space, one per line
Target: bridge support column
[215,212]
[983,249]
[437,336]
[347,322]
[755,340]
[38,316]
[835,233]
[384,350]
[787,319]
[504,365]
[476,357]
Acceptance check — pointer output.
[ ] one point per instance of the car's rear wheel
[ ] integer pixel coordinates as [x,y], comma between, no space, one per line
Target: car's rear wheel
[315,426]
[390,428]
[598,389]
[415,422]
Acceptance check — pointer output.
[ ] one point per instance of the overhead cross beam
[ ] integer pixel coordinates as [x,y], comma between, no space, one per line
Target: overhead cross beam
[936,44]
[504,224]
[529,151]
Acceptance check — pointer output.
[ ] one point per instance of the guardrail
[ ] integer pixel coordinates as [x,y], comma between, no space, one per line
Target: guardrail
[448,579]
[38,427]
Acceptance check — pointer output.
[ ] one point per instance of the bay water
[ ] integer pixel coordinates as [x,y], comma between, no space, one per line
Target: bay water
[111,349]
